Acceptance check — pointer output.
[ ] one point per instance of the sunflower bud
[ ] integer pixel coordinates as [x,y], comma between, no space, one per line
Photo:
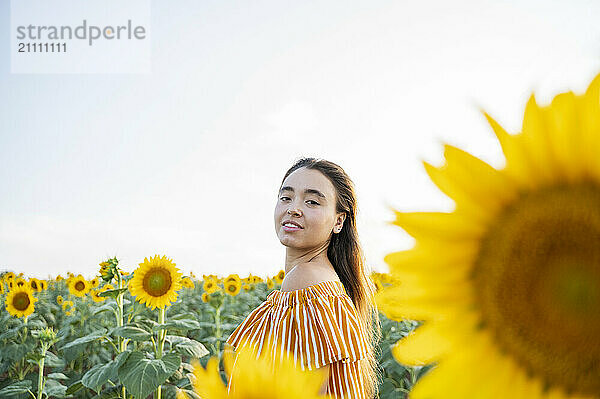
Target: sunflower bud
[108,269]
[47,335]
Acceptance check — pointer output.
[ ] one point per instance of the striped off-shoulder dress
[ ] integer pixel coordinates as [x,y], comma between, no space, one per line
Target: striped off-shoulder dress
[319,325]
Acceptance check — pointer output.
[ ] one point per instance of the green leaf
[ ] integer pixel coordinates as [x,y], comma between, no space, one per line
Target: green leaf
[184,325]
[170,392]
[15,389]
[119,360]
[58,376]
[212,340]
[36,324]
[14,352]
[228,326]
[187,346]
[109,306]
[110,393]
[34,357]
[12,333]
[74,387]
[99,374]
[53,361]
[84,340]
[206,324]
[54,389]
[133,333]
[112,293]
[141,375]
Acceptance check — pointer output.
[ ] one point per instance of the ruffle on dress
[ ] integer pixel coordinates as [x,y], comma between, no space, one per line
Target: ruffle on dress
[318,325]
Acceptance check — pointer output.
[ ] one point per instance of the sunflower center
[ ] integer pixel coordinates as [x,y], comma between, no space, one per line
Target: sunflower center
[157,281]
[231,288]
[537,280]
[21,301]
[79,286]
[34,285]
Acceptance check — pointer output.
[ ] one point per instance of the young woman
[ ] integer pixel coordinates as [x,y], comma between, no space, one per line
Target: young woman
[324,314]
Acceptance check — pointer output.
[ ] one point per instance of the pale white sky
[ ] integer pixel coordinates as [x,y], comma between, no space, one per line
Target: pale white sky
[186,161]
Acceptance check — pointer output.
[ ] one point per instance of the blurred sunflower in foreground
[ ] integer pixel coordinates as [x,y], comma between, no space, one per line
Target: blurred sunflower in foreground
[509,283]
[255,377]
[156,282]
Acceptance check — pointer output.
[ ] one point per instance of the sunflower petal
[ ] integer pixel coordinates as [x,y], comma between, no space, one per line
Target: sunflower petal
[489,186]
[448,379]
[524,387]
[423,257]
[538,141]
[427,344]
[518,163]
[590,145]
[498,385]
[438,226]
[563,124]
[398,302]
[464,202]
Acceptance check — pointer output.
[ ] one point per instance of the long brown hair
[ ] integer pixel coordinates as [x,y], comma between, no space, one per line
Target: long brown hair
[346,255]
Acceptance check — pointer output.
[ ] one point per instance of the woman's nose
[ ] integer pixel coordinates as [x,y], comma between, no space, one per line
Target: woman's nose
[295,211]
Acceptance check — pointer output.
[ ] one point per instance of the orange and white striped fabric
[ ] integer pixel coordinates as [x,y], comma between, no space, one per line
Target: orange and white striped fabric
[319,325]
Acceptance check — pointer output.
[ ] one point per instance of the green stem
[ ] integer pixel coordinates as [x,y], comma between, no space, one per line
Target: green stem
[218,328]
[121,340]
[110,341]
[25,330]
[41,372]
[161,340]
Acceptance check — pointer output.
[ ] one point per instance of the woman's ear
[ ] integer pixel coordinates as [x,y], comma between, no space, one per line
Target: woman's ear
[339,223]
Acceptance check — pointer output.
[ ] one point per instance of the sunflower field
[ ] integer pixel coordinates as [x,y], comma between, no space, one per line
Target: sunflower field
[149,333]
[499,298]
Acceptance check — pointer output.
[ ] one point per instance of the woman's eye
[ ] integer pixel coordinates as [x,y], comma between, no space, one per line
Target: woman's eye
[316,203]
[283,198]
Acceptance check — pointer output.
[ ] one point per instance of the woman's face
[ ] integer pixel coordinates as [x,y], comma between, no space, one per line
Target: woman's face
[310,198]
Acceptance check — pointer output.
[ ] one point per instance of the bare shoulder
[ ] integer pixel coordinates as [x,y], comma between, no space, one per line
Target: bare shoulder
[305,275]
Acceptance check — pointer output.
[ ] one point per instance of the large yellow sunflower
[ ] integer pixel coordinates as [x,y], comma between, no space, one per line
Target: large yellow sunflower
[508,285]
[20,301]
[79,286]
[254,377]
[156,282]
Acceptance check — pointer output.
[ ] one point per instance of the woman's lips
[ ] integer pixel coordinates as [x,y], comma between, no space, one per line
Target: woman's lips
[287,228]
